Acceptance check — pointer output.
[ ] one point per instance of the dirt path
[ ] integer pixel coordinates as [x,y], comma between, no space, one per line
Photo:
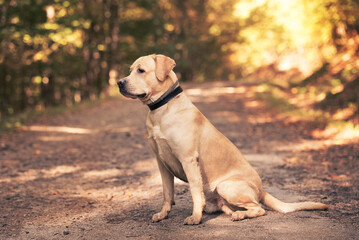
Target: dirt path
[91,175]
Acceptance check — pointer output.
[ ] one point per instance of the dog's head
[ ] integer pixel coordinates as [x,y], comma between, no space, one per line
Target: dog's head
[150,76]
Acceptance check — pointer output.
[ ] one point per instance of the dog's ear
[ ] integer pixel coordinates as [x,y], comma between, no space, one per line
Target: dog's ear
[164,66]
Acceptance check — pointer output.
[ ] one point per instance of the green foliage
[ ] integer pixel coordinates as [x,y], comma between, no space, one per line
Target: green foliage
[63,52]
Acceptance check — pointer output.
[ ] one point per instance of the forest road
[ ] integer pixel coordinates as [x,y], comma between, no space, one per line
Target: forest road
[91,175]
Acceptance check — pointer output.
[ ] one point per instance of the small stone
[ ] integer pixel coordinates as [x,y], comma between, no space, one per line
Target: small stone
[66,232]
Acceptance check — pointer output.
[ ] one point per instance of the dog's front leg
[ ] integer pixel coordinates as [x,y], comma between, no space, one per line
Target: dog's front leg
[194,177]
[168,192]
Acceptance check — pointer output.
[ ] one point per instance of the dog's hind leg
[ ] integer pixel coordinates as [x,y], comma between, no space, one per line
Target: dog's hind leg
[217,204]
[242,195]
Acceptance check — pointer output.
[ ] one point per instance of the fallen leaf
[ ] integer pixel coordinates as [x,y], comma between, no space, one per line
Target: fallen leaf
[342,176]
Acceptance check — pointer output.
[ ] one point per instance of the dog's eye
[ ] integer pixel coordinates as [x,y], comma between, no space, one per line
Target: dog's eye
[140,70]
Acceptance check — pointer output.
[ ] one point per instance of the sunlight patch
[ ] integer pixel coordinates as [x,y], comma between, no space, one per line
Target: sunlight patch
[57,138]
[63,129]
[338,133]
[252,104]
[105,173]
[34,174]
[215,91]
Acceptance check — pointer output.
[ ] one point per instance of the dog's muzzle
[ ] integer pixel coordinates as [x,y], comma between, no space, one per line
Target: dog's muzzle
[122,86]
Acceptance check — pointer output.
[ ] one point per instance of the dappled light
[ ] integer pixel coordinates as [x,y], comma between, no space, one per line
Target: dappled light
[345,133]
[116,191]
[212,94]
[215,91]
[104,173]
[60,129]
[69,52]
[34,174]
[58,138]
[252,104]
[303,23]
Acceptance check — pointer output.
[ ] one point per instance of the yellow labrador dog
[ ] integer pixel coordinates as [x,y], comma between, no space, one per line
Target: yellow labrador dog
[189,147]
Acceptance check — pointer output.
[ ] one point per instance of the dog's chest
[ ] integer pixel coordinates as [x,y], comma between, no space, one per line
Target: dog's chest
[161,147]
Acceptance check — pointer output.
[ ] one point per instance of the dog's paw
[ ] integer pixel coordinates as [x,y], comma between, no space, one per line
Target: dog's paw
[238,215]
[159,216]
[191,220]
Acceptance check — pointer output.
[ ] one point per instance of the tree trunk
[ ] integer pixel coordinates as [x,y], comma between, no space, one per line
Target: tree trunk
[113,36]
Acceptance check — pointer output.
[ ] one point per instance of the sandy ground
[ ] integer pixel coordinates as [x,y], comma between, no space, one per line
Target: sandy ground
[91,175]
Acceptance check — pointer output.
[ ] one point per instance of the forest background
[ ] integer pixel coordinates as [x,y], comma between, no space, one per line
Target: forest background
[58,52]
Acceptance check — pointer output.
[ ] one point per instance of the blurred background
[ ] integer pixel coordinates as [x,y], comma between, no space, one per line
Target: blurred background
[56,52]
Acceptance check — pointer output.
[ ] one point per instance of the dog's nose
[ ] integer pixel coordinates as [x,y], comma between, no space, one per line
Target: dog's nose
[121,82]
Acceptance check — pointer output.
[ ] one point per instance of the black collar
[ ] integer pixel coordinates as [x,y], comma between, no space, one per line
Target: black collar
[165,98]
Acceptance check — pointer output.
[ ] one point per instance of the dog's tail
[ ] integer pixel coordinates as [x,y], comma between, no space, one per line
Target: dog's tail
[283,207]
